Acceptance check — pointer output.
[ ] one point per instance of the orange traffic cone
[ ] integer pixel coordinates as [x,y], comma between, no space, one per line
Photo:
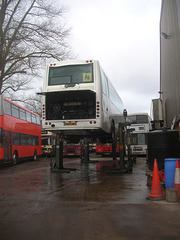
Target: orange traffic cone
[156,191]
[177,178]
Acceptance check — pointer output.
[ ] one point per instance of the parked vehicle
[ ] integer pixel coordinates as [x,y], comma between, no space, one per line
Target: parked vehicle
[20,132]
[78,99]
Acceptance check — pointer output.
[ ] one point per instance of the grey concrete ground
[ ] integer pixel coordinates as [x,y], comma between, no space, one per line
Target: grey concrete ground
[81,205]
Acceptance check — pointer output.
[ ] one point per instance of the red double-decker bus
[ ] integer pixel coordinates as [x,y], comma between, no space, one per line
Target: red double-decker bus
[104,149]
[72,150]
[20,132]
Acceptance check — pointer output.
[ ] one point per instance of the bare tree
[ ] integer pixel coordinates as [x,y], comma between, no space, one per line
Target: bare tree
[32,101]
[30,32]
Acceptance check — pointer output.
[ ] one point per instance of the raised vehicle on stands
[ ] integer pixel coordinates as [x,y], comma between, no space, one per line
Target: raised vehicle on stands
[20,132]
[140,126]
[79,100]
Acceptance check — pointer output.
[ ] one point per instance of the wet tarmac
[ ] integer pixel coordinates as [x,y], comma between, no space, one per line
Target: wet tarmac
[86,204]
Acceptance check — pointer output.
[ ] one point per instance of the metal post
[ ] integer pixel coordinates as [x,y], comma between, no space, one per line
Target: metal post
[58,165]
[121,145]
[129,161]
[114,145]
[61,153]
[130,158]
[85,152]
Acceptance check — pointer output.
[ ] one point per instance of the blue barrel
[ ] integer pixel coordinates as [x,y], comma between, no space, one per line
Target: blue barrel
[169,170]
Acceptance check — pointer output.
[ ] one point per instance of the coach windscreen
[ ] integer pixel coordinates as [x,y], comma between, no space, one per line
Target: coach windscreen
[71,74]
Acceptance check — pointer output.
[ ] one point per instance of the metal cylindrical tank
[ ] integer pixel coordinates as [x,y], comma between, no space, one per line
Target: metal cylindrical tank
[162,144]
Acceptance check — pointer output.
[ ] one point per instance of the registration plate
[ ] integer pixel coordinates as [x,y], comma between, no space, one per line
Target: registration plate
[70,123]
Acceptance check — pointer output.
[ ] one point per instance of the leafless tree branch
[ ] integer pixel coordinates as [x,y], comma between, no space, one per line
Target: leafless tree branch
[30,32]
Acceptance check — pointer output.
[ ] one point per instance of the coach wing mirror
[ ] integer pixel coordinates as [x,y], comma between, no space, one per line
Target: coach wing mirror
[125,113]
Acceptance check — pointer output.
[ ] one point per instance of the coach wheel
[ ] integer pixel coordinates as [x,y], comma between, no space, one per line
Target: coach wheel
[35,156]
[15,158]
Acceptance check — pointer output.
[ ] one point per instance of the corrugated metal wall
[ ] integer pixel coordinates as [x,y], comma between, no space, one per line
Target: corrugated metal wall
[170,58]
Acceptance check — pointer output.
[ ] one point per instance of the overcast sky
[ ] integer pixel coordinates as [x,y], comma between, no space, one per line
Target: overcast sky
[124,36]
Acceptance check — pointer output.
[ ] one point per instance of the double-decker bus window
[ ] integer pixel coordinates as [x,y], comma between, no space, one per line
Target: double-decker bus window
[23,139]
[30,140]
[15,111]
[71,74]
[28,116]
[7,107]
[33,140]
[37,120]
[33,118]
[19,112]
[22,114]
[16,139]
[36,141]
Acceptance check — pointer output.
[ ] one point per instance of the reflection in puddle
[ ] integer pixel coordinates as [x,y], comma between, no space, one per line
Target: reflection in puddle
[89,183]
